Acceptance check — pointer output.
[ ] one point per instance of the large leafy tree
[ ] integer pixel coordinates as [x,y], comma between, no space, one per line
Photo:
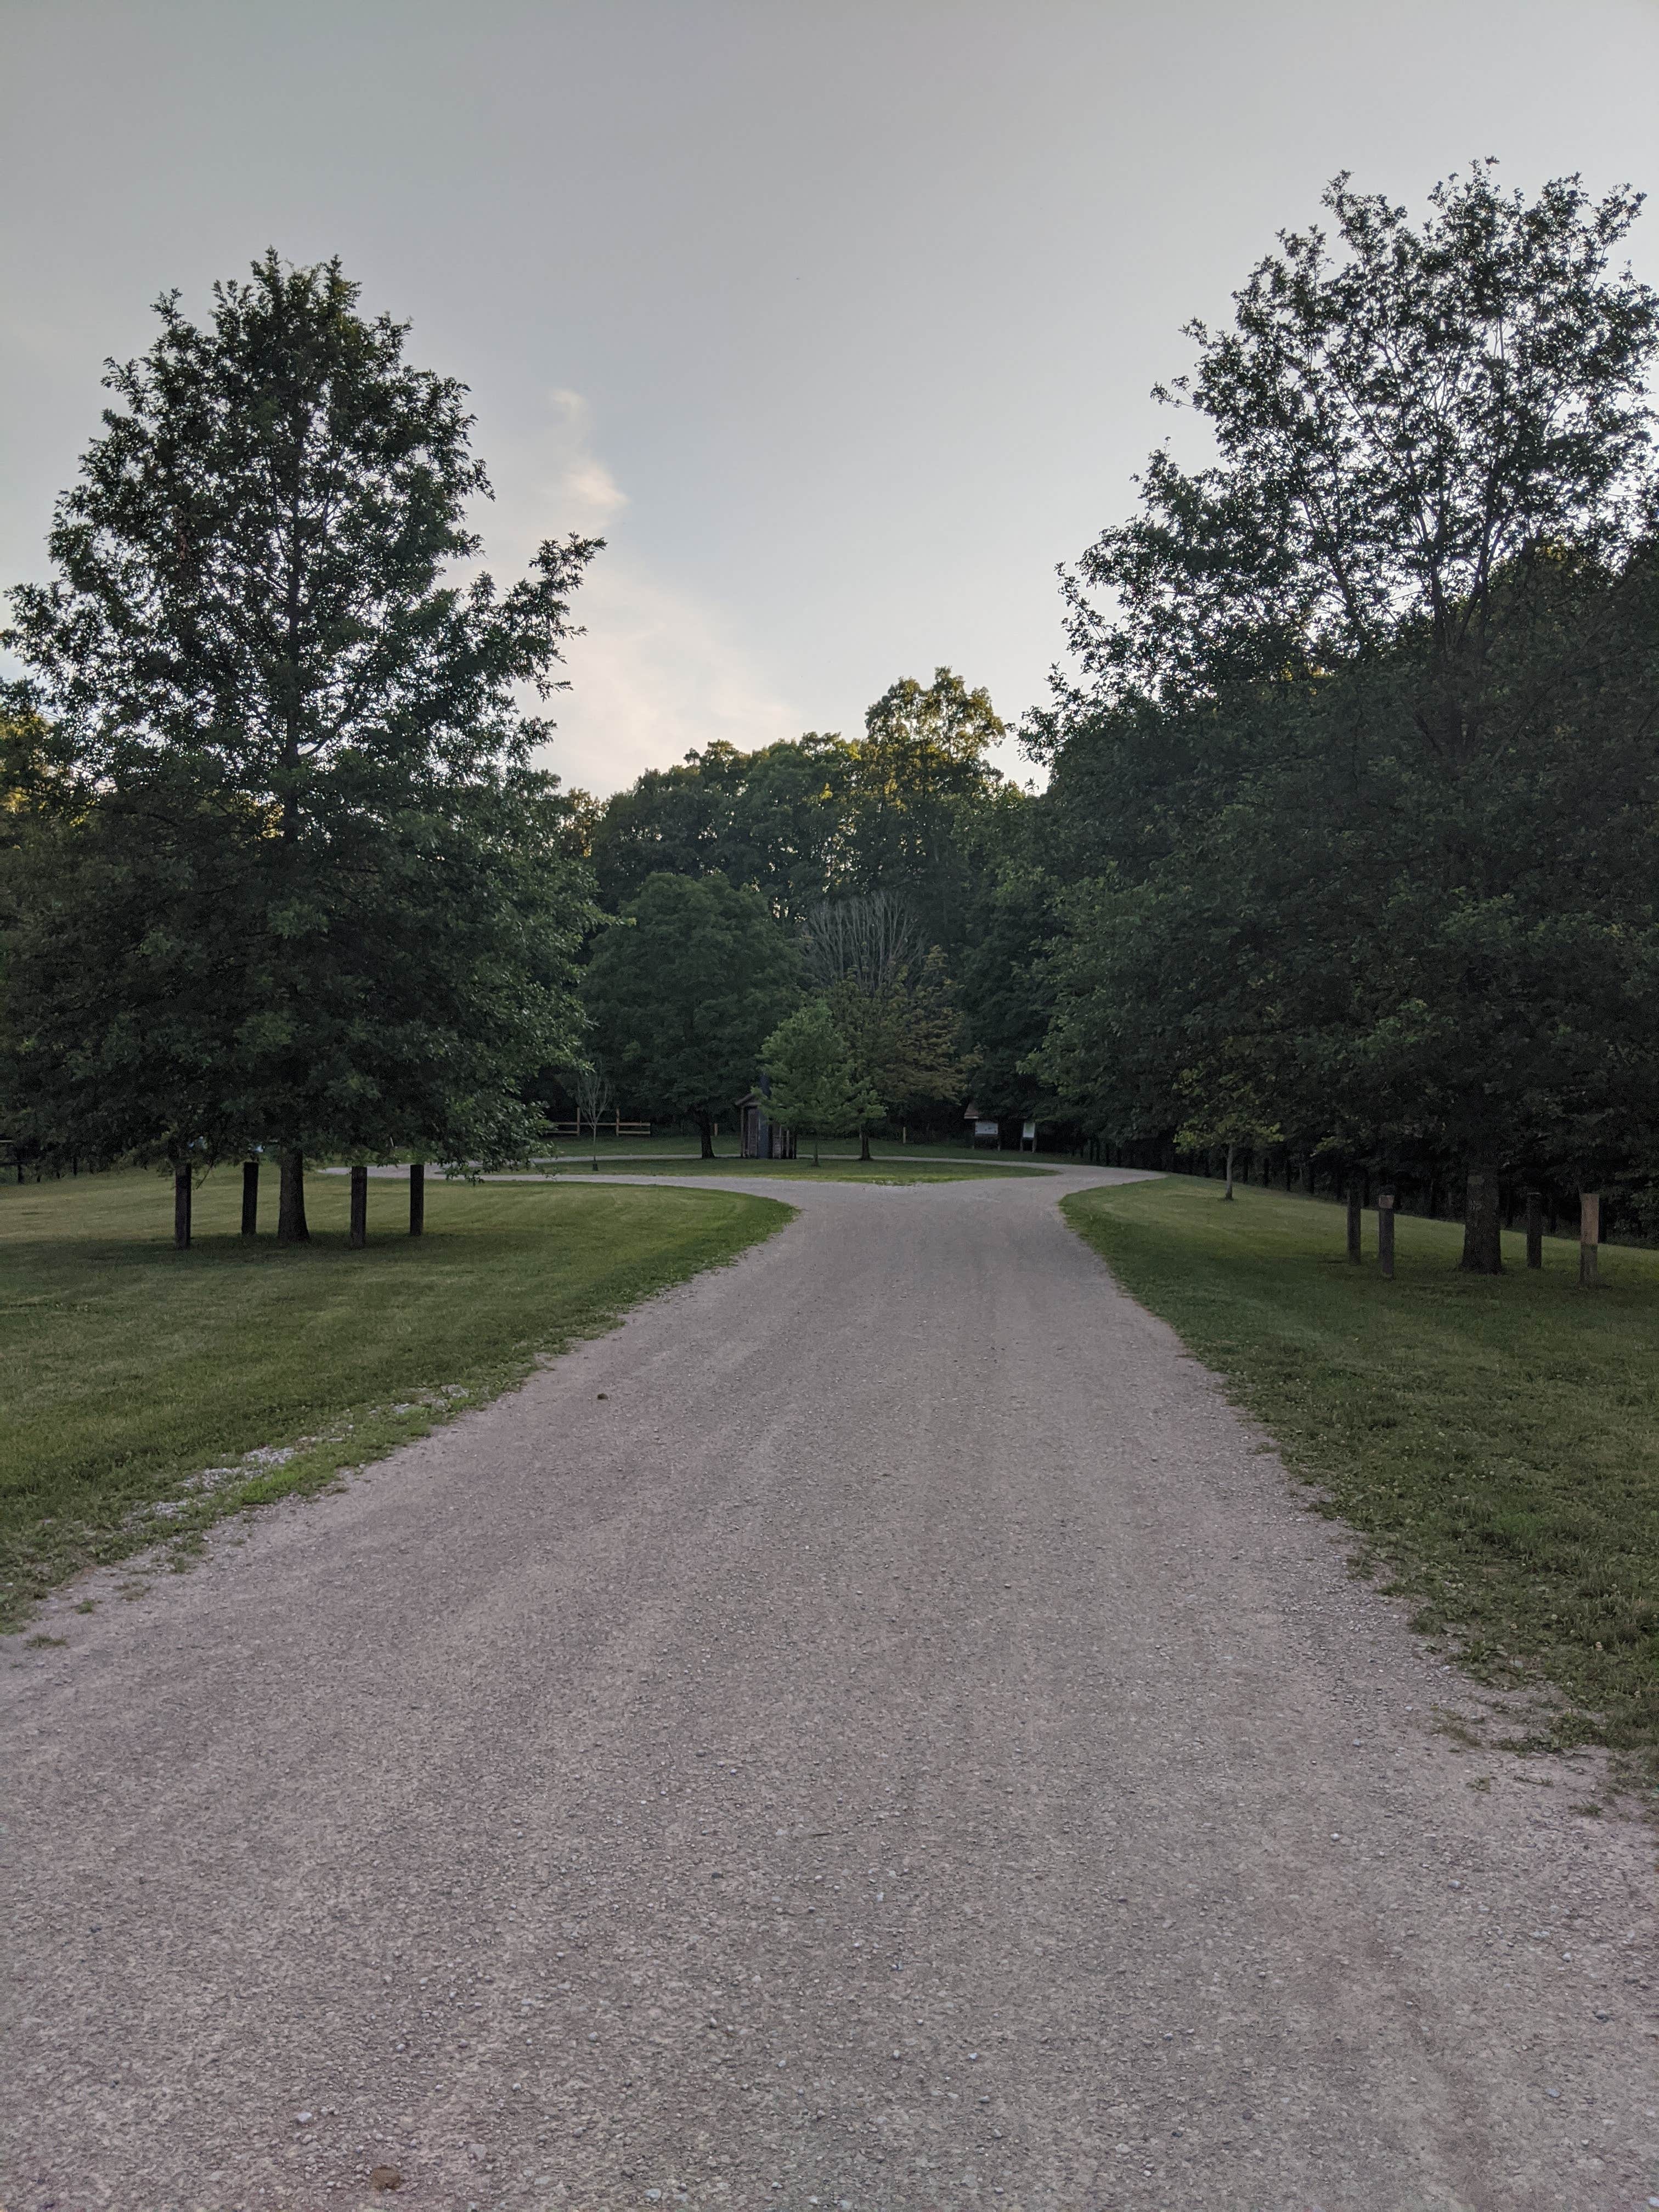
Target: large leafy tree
[1363,739]
[684,992]
[303,787]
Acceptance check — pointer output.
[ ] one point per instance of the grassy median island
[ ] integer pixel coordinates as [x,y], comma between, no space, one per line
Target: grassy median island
[1495,1439]
[129,1369]
[887,1169]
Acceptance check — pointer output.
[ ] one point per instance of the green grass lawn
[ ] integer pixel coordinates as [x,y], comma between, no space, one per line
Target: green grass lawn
[128,1368]
[1495,1439]
[891,1168]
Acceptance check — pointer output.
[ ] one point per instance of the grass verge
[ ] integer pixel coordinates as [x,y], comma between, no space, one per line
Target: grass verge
[1495,1439]
[147,1392]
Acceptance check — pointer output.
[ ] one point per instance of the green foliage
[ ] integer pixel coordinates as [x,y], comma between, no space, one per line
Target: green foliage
[821,816]
[1495,1444]
[815,1089]
[685,992]
[774,819]
[903,1034]
[920,774]
[298,884]
[1353,818]
[1400,427]
[133,1368]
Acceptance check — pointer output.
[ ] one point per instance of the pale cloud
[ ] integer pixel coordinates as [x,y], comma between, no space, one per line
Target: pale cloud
[654,676]
[656,672]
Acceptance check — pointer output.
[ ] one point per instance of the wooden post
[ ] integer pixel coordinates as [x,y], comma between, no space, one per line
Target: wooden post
[1385,1232]
[250,1198]
[359,1207]
[1589,1235]
[417,1197]
[292,1227]
[181,1194]
[1354,1252]
[1535,1228]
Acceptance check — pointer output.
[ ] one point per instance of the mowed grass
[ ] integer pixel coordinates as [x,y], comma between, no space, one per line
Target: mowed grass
[127,1368]
[847,1170]
[1495,1438]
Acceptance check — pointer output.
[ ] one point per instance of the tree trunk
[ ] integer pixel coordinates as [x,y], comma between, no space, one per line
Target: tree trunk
[1385,1233]
[1354,1251]
[291,1200]
[358,1208]
[1534,1230]
[815,1148]
[1228,1192]
[181,1195]
[705,1136]
[863,1142]
[1483,1246]
[417,1198]
[250,1198]
[1589,1235]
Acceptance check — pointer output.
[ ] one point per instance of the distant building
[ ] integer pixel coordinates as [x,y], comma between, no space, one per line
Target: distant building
[758,1140]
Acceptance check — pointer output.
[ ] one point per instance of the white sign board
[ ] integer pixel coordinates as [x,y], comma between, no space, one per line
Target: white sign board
[1028,1131]
[985,1128]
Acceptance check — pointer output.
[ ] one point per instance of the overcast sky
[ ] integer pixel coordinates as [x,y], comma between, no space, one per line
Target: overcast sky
[838,320]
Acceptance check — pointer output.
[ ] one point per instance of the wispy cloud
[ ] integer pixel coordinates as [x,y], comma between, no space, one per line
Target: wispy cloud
[658,671]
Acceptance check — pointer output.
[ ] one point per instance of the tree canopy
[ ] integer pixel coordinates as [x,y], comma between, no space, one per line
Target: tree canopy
[684,992]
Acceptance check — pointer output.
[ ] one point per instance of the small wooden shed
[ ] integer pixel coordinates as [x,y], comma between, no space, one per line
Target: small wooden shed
[759,1138]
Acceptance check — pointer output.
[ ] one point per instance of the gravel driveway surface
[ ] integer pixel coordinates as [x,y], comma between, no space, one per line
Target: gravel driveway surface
[875,1731]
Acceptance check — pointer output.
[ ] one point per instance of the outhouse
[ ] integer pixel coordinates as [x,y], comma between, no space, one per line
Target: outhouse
[759,1138]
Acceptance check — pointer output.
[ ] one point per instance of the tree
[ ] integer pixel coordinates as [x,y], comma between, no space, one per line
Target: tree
[919,772]
[1365,728]
[775,818]
[1223,1112]
[594,1099]
[683,993]
[890,1001]
[256,649]
[815,1089]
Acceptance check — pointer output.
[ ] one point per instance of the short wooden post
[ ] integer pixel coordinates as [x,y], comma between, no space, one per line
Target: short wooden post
[1354,1227]
[417,1197]
[359,1207]
[1535,1228]
[181,1195]
[250,1198]
[1385,1232]
[1589,1235]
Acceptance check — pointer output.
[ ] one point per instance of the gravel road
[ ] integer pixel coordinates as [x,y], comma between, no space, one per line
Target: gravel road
[875,1731]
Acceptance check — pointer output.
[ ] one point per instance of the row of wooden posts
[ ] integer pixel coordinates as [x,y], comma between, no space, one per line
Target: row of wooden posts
[1589,1231]
[183,1188]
